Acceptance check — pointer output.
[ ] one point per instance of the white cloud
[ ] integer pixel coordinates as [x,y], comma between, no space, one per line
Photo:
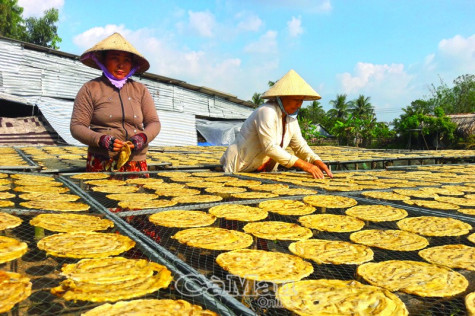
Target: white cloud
[249,22]
[368,75]
[309,6]
[200,68]
[392,87]
[388,86]
[429,62]
[452,58]
[457,53]
[35,8]
[203,23]
[324,6]
[458,46]
[267,43]
[90,37]
[295,27]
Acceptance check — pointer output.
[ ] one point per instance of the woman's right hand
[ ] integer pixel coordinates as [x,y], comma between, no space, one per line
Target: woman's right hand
[110,143]
[118,144]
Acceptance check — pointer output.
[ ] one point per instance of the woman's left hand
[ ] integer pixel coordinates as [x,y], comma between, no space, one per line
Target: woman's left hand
[139,141]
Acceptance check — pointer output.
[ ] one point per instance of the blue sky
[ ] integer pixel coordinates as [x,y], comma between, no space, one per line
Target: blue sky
[391,51]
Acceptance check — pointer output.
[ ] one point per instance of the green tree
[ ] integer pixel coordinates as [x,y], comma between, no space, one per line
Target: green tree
[442,96]
[313,112]
[464,92]
[358,130]
[442,125]
[309,117]
[362,121]
[356,125]
[362,108]
[339,112]
[257,100]
[436,126]
[341,129]
[419,107]
[362,130]
[458,99]
[11,21]
[382,134]
[257,97]
[309,130]
[43,31]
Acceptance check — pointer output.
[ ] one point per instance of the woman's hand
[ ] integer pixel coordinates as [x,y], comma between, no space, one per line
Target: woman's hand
[111,143]
[310,168]
[138,141]
[322,166]
[316,169]
[117,145]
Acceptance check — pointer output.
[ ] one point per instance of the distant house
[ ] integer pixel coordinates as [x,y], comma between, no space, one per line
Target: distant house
[323,131]
[465,123]
[40,84]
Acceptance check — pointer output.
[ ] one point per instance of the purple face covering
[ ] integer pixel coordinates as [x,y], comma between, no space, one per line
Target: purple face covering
[116,82]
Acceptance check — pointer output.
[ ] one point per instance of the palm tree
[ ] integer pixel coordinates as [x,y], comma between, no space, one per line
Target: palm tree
[363,112]
[257,100]
[313,113]
[362,108]
[339,112]
[316,112]
[256,97]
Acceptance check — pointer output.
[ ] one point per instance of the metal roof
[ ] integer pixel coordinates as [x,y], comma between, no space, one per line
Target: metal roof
[14,98]
[51,79]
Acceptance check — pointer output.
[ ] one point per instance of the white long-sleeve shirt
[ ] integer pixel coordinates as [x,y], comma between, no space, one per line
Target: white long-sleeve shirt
[260,138]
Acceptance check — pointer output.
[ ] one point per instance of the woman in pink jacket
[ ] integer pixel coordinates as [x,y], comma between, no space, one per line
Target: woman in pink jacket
[114,109]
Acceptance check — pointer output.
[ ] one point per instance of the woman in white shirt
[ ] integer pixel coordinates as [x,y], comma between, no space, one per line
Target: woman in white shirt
[261,143]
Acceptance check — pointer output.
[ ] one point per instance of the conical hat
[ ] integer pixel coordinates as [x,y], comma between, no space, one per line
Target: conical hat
[114,42]
[291,84]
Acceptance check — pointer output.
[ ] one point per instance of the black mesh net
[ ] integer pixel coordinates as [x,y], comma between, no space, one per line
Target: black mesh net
[259,296]
[197,276]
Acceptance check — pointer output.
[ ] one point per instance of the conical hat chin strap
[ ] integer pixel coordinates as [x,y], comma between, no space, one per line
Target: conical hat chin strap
[293,115]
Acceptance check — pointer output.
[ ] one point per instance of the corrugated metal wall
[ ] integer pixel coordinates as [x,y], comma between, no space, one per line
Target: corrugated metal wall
[178,129]
[52,79]
[58,114]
